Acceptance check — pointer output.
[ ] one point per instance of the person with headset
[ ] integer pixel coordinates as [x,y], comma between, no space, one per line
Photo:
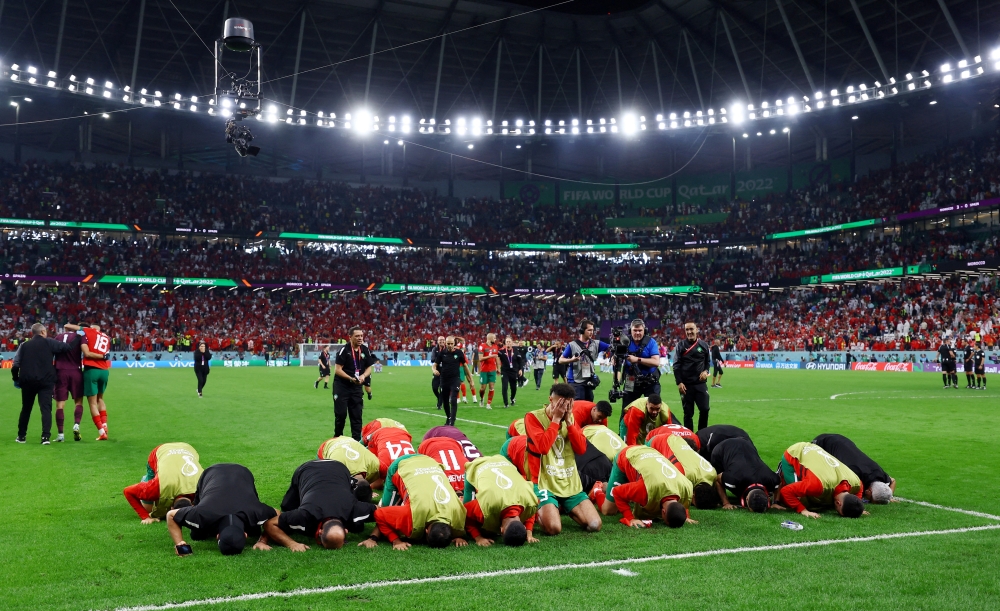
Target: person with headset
[581,356]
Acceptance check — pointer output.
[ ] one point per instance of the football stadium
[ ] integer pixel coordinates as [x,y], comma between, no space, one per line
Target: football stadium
[501,304]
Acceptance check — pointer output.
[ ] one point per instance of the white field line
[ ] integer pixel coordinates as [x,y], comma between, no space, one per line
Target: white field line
[417,411]
[863,392]
[978,514]
[547,569]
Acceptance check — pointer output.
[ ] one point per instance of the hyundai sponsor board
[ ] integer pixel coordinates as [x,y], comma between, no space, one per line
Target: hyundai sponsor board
[827,366]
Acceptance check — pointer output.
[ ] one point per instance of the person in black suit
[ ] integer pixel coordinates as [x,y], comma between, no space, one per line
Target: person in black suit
[511,368]
[35,375]
[202,364]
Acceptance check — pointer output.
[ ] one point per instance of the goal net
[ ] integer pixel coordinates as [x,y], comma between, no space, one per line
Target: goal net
[309,353]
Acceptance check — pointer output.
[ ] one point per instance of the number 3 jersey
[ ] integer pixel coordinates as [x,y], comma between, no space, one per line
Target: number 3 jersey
[96,342]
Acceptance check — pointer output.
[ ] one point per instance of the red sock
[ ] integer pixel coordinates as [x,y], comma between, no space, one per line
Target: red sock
[491,397]
[97,421]
[463,389]
[597,496]
[104,419]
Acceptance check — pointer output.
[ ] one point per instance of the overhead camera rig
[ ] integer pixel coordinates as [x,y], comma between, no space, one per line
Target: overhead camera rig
[240,93]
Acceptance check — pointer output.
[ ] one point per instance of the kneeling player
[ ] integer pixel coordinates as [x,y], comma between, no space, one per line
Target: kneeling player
[226,507]
[357,458]
[389,440]
[645,480]
[677,430]
[586,413]
[711,436]
[808,473]
[878,486]
[516,428]
[323,501]
[498,501]
[698,471]
[553,444]
[642,416]
[430,509]
[468,448]
[744,474]
[171,479]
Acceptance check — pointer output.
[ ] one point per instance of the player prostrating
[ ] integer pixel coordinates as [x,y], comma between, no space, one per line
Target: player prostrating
[69,380]
[324,368]
[644,480]
[498,501]
[489,362]
[96,347]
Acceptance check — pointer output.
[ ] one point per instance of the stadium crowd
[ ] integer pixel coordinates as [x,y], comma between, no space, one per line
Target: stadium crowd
[913,312]
[967,171]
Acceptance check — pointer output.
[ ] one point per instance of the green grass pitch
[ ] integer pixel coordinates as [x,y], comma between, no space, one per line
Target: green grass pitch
[70,540]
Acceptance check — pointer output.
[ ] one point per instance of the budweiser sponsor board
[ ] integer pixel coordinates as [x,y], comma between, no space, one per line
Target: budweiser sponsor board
[740,364]
[882,366]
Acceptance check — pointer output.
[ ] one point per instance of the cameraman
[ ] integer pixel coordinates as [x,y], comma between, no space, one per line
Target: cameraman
[691,363]
[642,365]
[581,355]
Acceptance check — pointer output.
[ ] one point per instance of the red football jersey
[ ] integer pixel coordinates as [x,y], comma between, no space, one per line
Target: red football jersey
[487,364]
[388,444]
[97,342]
[675,429]
[451,455]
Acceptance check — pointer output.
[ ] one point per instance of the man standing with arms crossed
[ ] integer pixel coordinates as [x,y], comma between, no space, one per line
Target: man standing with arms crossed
[354,366]
[691,363]
[69,380]
[489,361]
[95,347]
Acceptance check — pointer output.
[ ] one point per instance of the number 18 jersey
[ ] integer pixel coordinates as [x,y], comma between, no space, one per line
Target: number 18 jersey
[99,343]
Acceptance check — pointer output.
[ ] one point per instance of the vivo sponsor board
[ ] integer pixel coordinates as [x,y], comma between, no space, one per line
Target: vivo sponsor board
[408,363]
[827,366]
[959,368]
[739,364]
[775,365]
[881,366]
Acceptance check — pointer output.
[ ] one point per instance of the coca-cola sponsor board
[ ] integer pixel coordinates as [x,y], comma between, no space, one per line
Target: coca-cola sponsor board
[882,366]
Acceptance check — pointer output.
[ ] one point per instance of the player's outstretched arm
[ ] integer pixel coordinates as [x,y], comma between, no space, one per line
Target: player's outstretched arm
[722,493]
[277,535]
[181,548]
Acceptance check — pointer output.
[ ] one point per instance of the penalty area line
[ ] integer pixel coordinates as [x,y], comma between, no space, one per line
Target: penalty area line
[548,569]
[417,411]
[978,514]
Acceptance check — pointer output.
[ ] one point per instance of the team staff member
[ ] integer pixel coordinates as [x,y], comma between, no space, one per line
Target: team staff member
[435,379]
[691,363]
[711,436]
[744,474]
[558,369]
[96,349]
[643,477]
[979,365]
[642,416]
[354,366]
[489,362]
[202,364]
[69,380]
[498,502]
[642,365]
[718,365]
[540,358]
[323,501]
[878,486]
[947,357]
[511,368]
[446,366]
[172,473]
[811,475]
[554,442]
[226,506]
[430,509]
[580,358]
[361,463]
[35,375]
[324,368]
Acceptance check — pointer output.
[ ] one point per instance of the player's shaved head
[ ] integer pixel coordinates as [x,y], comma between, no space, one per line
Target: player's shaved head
[438,534]
[705,496]
[333,535]
[674,514]
[491,337]
[515,534]
[757,501]
[851,506]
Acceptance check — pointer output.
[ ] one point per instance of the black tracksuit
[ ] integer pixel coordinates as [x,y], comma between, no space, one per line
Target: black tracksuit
[511,366]
[202,367]
[690,360]
[34,371]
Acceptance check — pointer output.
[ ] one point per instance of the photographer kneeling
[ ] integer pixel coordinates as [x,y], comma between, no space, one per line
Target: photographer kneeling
[582,354]
[642,365]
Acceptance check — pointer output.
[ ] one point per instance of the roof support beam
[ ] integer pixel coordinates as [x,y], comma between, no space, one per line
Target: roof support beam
[618,74]
[795,43]
[437,84]
[871,41]
[736,55]
[954,29]
[138,44]
[541,54]
[59,38]
[694,72]
[371,60]
[298,56]
[496,80]
[656,72]
[579,86]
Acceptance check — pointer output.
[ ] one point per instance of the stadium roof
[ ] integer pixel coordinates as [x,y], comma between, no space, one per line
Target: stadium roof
[784,47]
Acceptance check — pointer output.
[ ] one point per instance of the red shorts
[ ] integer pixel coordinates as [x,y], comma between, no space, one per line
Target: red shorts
[69,381]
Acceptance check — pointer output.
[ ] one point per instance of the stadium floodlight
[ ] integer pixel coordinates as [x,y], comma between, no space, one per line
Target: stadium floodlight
[966,73]
[962,63]
[477,126]
[854,118]
[51,83]
[15,67]
[107,93]
[820,104]
[947,78]
[946,67]
[576,130]
[518,123]
[399,142]
[471,147]
[90,81]
[51,74]
[746,135]
[32,70]
[630,123]
[90,90]
[785,130]
[736,116]
[363,123]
